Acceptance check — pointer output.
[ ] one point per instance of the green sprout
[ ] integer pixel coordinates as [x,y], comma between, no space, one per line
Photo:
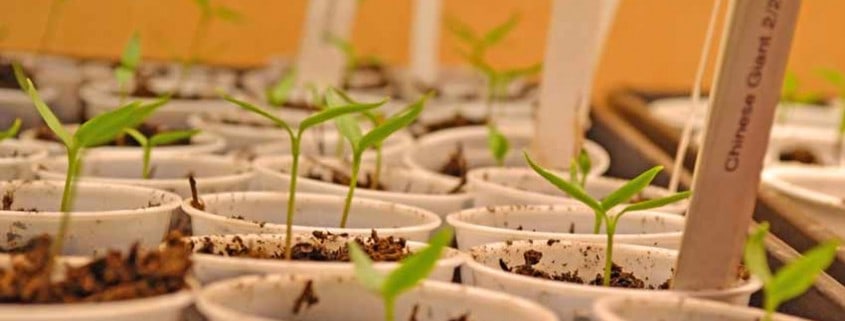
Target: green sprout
[278,94]
[129,61]
[348,127]
[579,169]
[11,131]
[295,136]
[603,208]
[411,271]
[208,12]
[94,132]
[353,58]
[837,80]
[157,140]
[791,91]
[791,280]
[477,45]
[498,144]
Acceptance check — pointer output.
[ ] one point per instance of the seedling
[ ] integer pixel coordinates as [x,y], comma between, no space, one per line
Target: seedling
[11,131]
[837,80]
[278,94]
[96,131]
[498,144]
[348,127]
[579,169]
[498,80]
[411,271]
[295,136]
[129,61]
[353,58]
[156,140]
[376,118]
[791,91]
[208,12]
[603,208]
[791,280]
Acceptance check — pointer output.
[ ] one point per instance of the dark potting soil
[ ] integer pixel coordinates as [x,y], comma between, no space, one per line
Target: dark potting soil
[342,179]
[44,133]
[379,249]
[7,76]
[456,165]
[800,155]
[114,277]
[459,120]
[618,277]
[375,70]
[416,310]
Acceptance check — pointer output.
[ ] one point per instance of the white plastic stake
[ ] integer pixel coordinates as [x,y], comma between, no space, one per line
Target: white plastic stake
[571,48]
[425,37]
[608,15]
[686,135]
[754,51]
[320,63]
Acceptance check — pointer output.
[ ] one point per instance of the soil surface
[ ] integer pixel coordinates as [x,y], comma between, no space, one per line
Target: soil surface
[800,155]
[338,177]
[374,70]
[44,133]
[380,249]
[114,277]
[457,164]
[459,120]
[7,76]
[618,277]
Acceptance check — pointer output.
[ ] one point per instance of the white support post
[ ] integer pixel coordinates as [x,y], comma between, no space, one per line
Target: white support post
[425,38]
[319,62]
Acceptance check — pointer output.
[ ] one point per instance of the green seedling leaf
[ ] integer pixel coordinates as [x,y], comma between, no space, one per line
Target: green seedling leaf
[138,136]
[796,277]
[585,165]
[106,126]
[569,188]
[630,189]
[204,5]
[258,110]
[331,113]
[495,35]
[461,31]
[12,131]
[417,267]
[49,118]
[278,94]
[834,78]
[131,56]
[755,253]
[790,86]
[364,271]
[498,144]
[393,124]
[659,202]
[172,136]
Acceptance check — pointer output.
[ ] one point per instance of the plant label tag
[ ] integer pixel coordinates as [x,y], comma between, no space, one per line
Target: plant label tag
[573,45]
[320,63]
[425,32]
[746,89]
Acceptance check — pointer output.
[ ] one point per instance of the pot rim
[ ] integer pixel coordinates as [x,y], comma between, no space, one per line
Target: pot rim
[37,152]
[171,201]
[772,177]
[749,286]
[431,220]
[603,307]
[115,309]
[459,221]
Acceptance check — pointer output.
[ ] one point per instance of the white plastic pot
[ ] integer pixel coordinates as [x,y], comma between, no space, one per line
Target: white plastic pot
[522,186]
[166,307]
[569,300]
[272,297]
[202,143]
[821,142]
[103,97]
[818,189]
[432,151]
[63,74]
[676,308]
[17,158]
[209,267]
[214,174]
[403,186]
[104,216]
[265,212]
[15,104]
[482,225]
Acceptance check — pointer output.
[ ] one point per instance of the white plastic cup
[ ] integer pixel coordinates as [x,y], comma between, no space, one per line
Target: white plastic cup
[17,159]
[676,308]
[817,189]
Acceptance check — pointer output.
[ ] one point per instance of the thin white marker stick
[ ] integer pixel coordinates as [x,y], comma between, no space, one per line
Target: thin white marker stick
[425,37]
[567,69]
[319,62]
[695,97]
[751,65]
[608,15]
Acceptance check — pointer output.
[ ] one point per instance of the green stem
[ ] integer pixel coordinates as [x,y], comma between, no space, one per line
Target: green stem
[294,169]
[67,202]
[608,256]
[377,172]
[353,181]
[597,224]
[769,305]
[389,309]
[148,150]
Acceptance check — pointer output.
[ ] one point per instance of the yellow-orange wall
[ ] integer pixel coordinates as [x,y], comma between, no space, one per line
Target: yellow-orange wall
[653,44]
